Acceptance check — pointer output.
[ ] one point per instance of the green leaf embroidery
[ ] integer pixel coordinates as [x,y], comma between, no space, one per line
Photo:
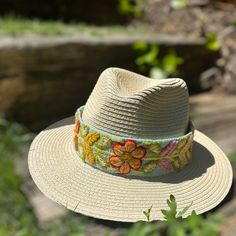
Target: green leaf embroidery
[181,144]
[84,129]
[155,148]
[103,142]
[149,166]
[81,152]
[176,164]
[101,159]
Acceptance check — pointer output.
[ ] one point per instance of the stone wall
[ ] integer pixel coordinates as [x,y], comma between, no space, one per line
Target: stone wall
[43,79]
[93,11]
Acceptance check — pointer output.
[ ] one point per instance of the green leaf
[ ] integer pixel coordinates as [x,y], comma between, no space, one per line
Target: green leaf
[149,57]
[176,165]
[172,198]
[149,166]
[84,129]
[170,215]
[182,212]
[129,7]
[178,3]
[164,212]
[234,24]
[232,158]
[212,42]
[148,213]
[101,159]
[154,148]
[140,45]
[172,204]
[157,73]
[170,62]
[103,142]
[143,229]
[125,7]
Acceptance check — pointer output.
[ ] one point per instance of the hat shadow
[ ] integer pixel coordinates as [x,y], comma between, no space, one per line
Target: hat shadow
[202,159]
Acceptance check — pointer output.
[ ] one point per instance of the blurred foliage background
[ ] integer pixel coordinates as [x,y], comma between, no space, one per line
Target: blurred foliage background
[51,54]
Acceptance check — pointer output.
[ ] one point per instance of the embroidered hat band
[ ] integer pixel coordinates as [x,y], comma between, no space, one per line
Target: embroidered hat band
[136,157]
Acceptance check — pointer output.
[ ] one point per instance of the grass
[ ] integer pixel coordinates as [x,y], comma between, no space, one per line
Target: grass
[13,26]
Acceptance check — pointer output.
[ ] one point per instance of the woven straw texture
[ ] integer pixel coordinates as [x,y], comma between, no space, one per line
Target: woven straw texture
[63,177]
[127,104]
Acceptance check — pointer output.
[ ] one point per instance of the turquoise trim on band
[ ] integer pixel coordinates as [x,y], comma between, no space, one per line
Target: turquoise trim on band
[136,157]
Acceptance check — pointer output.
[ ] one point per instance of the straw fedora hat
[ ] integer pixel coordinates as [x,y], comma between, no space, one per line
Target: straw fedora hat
[129,148]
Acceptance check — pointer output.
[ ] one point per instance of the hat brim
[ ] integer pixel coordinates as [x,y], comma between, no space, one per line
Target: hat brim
[63,177]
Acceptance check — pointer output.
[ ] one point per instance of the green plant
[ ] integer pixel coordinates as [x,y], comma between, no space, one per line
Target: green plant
[130,7]
[232,157]
[148,60]
[175,225]
[15,211]
[234,24]
[148,213]
[212,42]
[12,135]
[17,217]
[172,214]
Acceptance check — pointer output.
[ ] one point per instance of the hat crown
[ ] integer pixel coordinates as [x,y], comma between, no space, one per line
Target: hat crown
[130,105]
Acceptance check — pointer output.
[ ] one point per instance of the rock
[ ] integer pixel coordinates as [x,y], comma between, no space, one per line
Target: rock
[44,209]
[226,80]
[43,79]
[95,12]
[229,212]
[214,114]
[211,17]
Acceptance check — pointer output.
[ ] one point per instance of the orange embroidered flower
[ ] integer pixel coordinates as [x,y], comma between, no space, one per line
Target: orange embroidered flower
[76,142]
[127,156]
[76,131]
[77,126]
